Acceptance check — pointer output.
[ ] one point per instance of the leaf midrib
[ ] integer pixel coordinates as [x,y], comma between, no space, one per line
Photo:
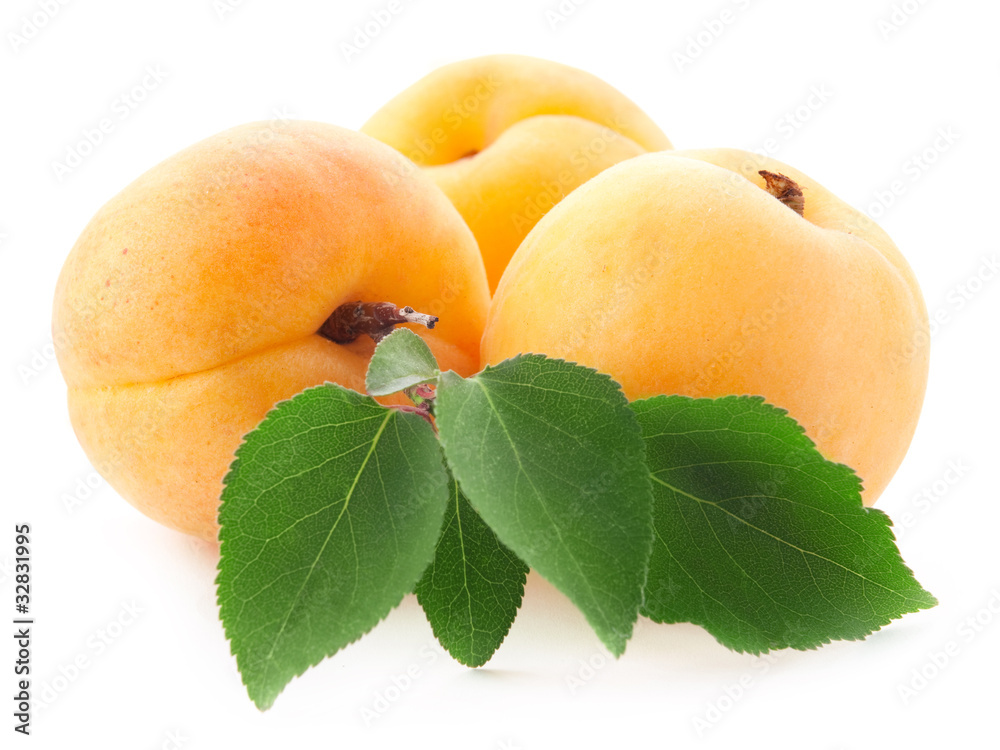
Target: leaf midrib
[545,510]
[347,500]
[801,551]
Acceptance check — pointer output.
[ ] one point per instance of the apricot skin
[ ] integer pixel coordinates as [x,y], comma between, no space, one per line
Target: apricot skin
[508,136]
[191,301]
[503,191]
[678,273]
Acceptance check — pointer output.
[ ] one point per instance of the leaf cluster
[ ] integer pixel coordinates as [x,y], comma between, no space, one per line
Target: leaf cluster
[719,512]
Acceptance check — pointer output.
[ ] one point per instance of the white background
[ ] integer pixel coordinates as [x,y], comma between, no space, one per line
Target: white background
[895,75]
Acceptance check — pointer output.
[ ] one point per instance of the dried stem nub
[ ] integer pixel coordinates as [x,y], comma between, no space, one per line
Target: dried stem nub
[374,319]
[785,189]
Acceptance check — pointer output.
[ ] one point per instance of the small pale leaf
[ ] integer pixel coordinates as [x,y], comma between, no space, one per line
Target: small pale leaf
[401,360]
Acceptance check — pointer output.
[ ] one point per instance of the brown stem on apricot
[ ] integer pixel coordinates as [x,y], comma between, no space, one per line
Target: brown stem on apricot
[375,319]
[785,190]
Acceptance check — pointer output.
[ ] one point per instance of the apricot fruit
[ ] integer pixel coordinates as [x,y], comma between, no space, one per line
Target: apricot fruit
[690,272]
[507,137]
[193,300]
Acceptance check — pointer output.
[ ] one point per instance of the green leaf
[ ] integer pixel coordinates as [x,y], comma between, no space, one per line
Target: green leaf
[551,457]
[329,517]
[473,589]
[401,360]
[759,539]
